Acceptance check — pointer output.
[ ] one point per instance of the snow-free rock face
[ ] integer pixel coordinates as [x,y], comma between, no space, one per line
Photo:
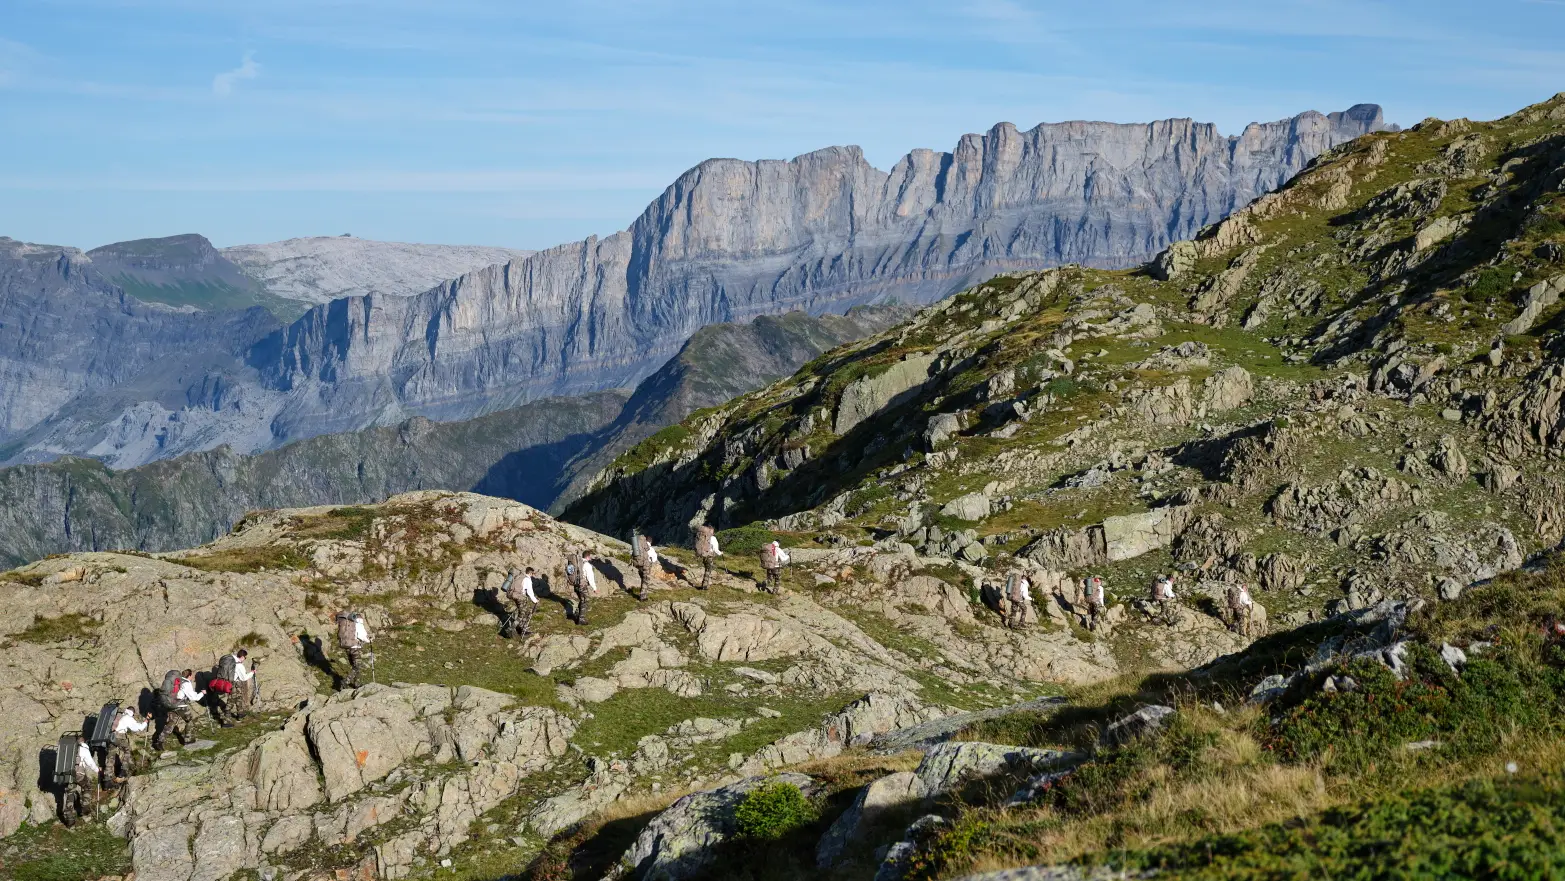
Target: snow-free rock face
[678,842]
[319,269]
[824,231]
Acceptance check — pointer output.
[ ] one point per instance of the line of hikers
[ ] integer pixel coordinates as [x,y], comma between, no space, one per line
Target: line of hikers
[520,588]
[1014,603]
[101,757]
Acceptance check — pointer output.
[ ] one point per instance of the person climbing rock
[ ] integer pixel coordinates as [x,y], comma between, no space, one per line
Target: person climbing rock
[706,551]
[773,558]
[79,798]
[353,637]
[646,563]
[519,590]
[1096,601]
[583,580]
[1240,609]
[1163,600]
[119,758]
[176,696]
[1018,593]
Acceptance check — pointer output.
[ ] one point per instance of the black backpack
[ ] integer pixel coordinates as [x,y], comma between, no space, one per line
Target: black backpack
[65,759]
[103,727]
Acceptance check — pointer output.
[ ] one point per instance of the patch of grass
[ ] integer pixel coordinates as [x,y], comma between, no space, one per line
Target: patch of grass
[251,559]
[1508,829]
[349,524]
[71,625]
[773,811]
[55,853]
[26,579]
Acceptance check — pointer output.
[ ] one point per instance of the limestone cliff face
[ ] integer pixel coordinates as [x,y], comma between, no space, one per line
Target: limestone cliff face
[66,330]
[89,370]
[731,240]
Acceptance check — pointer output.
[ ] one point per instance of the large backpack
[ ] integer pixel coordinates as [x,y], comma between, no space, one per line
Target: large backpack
[169,689]
[227,666]
[573,566]
[768,559]
[103,727]
[221,686]
[1233,598]
[1013,588]
[704,541]
[65,759]
[347,631]
[513,587]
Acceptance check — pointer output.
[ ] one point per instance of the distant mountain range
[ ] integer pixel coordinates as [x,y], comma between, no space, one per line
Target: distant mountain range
[91,367]
[534,453]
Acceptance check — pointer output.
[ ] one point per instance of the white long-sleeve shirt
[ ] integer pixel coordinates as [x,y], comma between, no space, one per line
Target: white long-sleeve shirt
[1244,596]
[527,588]
[84,758]
[360,631]
[187,692]
[241,674]
[1165,589]
[127,722]
[712,542]
[652,555]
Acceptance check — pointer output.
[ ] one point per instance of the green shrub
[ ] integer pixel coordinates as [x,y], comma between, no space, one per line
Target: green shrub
[1469,714]
[1491,284]
[772,811]
[745,539]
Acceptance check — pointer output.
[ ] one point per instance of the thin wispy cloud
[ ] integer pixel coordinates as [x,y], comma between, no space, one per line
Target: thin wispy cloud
[223,83]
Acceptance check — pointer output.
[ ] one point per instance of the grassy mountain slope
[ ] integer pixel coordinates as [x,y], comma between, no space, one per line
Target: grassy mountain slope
[1329,394]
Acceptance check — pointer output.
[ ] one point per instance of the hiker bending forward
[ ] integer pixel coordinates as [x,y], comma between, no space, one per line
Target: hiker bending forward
[117,758]
[176,696]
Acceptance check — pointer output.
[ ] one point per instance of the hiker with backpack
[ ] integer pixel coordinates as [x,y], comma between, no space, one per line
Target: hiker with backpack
[1097,601]
[646,559]
[1018,595]
[706,551]
[119,757]
[236,697]
[1240,609]
[77,771]
[174,699]
[1163,600]
[580,576]
[352,637]
[773,558]
[523,603]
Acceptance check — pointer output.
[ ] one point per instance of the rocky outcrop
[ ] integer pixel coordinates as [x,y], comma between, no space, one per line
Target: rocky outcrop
[679,842]
[196,822]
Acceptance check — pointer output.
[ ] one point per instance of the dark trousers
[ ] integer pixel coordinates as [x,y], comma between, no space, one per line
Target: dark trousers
[706,573]
[774,579]
[116,761]
[581,604]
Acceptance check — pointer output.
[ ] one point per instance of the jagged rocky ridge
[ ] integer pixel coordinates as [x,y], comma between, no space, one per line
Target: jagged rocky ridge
[730,240]
[530,453]
[1342,392]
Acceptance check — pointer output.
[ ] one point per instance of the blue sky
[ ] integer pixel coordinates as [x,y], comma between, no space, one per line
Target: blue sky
[520,123]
